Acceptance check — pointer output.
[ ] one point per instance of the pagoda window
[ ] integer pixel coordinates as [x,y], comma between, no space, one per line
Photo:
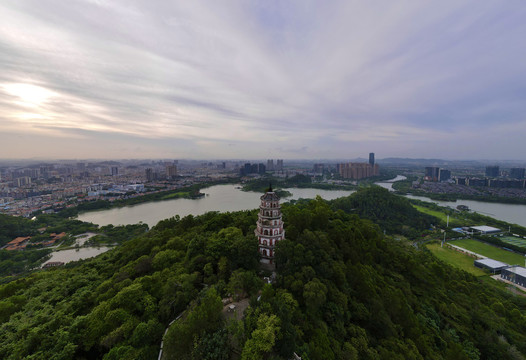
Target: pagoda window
[265,232]
[265,242]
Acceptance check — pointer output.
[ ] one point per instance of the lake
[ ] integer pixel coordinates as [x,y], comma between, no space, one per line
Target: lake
[66,256]
[224,198]
[220,198]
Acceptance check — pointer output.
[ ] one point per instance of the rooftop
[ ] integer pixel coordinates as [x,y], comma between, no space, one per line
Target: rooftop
[484,228]
[493,264]
[270,196]
[18,240]
[519,270]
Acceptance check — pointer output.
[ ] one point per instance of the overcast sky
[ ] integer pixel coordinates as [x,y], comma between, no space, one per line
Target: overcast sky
[263,79]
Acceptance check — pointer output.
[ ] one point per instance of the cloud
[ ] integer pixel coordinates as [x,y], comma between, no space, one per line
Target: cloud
[335,80]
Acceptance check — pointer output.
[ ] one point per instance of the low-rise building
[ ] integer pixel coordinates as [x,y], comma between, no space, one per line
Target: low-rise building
[494,266]
[515,274]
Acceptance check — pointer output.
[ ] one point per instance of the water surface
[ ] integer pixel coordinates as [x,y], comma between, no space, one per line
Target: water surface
[66,256]
[220,198]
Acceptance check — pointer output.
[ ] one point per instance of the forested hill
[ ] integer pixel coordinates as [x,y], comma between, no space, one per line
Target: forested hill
[391,212]
[343,291]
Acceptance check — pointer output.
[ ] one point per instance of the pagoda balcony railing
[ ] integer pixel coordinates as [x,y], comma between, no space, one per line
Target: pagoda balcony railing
[270,247]
[272,236]
[269,217]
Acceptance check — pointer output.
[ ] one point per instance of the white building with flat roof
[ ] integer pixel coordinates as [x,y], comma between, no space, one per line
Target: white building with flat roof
[483,229]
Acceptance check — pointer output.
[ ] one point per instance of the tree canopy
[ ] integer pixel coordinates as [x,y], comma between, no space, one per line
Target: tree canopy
[343,291]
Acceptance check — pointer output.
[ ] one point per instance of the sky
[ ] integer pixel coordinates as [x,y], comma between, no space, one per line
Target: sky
[262,79]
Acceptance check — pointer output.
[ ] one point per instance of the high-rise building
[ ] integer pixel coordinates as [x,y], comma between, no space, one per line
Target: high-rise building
[249,168]
[358,171]
[460,181]
[371,159]
[444,175]
[22,181]
[318,168]
[517,173]
[431,173]
[492,171]
[171,172]
[150,175]
[269,227]
[279,165]
[114,171]
[270,165]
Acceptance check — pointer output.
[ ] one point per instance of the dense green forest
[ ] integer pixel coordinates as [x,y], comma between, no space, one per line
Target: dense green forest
[343,291]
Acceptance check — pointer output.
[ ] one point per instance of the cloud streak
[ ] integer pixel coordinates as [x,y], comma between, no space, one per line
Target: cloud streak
[334,80]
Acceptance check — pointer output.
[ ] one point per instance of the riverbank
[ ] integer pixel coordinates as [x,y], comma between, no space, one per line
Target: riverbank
[298,181]
[188,192]
[454,192]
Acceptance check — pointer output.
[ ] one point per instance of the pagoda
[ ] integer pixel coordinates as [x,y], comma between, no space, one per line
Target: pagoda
[269,230]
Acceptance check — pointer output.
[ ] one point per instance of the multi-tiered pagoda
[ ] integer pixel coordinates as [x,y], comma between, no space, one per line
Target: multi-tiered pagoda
[269,230]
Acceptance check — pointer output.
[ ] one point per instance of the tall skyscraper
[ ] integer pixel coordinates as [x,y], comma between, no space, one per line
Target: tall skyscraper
[149,174]
[171,172]
[279,165]
[444,175]
[357,171]
[114,171]
[432,173]
[492,171]
[517,173]
[270,165]
[371,159]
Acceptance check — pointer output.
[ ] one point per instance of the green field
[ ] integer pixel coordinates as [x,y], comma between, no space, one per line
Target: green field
[438,214]
[490,251]
[455,259]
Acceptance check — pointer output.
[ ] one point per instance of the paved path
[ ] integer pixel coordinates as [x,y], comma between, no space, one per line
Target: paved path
[165,331]
[522,293]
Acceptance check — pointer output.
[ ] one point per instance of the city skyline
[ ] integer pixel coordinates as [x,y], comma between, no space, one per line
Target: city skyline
[231,80]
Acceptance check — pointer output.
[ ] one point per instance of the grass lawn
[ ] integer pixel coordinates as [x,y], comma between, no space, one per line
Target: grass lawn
[490,251]
[456,259]
[438,214]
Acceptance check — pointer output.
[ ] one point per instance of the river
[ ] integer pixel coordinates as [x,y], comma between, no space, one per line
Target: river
[388,184]
[512,213]
[224,198]
[220,198]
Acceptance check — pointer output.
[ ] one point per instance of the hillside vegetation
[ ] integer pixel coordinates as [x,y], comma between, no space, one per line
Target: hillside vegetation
[343,291]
